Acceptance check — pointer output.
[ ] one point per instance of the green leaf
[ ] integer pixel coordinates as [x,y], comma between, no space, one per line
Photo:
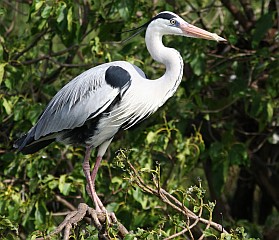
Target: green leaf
[262,26]
[140,197]
[125,8]
[129,236]
[38,5]
[196,209]
[42,24]
[2,11]
[61,13]
[233,39]
[70,19]
[2,71]
[209,233]
[198,63]
[269,110]
[7,105]
[63,186]
[39,216]
[151,137]
[52,184]
[238,154]
[46,12]
[257,106]
[6,223]
[220,165]
[8,83]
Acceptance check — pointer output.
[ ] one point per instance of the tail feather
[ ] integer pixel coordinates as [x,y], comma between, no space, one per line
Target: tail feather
[18,143]
[28,145]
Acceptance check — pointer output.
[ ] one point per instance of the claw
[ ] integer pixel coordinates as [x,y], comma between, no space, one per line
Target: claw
[113,217]
[101,219]
[96,221]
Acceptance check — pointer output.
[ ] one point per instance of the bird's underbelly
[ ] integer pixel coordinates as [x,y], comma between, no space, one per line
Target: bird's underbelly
[103,132]
[108,125]
[93,132]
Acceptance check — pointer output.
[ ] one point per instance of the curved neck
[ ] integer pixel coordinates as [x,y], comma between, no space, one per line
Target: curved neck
[171,58]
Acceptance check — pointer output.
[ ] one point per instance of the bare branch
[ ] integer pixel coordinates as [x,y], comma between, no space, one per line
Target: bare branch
[34,42]
[99,221]
[65,202]
[15,8]
[174,203]
[248,10]
[238,15]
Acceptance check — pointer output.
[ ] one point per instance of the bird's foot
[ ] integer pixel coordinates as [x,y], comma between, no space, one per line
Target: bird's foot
[96,200]
[100,219]
[100,208]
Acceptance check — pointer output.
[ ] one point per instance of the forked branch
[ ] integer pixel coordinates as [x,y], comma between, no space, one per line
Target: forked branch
[174,203]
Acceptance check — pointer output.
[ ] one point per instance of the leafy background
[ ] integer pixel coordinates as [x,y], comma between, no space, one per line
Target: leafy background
[221,126]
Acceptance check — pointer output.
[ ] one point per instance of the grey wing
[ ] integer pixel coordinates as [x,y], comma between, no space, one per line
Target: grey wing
[85,97]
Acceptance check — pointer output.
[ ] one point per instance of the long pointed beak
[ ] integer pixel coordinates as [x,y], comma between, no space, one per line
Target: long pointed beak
[195,32]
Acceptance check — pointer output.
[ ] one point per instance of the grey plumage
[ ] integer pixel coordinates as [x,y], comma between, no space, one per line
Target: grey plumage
[84,98]
[91,108]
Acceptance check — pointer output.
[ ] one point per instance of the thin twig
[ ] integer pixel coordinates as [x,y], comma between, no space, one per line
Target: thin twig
[248,10]
[173,202]
[237,14]
[32,44]
[65,203]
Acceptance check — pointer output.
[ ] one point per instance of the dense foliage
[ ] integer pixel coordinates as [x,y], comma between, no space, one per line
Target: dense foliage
[215,143]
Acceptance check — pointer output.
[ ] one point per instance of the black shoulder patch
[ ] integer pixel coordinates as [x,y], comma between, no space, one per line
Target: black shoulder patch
[117,77]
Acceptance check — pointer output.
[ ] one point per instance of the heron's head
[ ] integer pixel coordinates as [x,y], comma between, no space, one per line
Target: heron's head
[168,23]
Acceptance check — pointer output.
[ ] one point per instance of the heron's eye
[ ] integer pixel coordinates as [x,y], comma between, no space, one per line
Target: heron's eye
[173,22]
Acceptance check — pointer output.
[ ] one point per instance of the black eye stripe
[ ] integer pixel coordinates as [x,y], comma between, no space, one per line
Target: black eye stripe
[167,16]
[163,15]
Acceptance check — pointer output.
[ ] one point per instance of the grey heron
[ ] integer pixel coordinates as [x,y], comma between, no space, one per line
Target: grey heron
[95,105]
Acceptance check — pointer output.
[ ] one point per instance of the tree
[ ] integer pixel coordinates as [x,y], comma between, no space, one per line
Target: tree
[221,126]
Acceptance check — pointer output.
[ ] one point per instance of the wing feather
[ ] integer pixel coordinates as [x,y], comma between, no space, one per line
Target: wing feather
[83,98]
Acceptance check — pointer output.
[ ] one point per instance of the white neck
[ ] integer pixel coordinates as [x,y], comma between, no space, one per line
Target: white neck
[171,58]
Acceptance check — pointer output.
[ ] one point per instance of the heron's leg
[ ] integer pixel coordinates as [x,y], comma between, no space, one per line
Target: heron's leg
[86,169]
[97,201]
[101,151]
